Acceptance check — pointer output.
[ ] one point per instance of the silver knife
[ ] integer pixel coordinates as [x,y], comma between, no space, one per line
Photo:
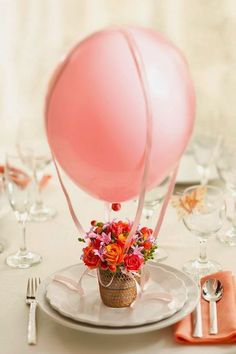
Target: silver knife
[197,316]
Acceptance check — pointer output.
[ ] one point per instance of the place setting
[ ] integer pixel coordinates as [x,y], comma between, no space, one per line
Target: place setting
[112,132]
[122,302]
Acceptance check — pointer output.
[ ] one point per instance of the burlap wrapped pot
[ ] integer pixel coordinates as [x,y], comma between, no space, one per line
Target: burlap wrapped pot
[116,290]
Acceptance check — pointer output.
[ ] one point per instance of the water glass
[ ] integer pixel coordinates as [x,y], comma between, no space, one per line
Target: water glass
[36,156]
[206,149]
[19,188]
[205,223]
[226,166]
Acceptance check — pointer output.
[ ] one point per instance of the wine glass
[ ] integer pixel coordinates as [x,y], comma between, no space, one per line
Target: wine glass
[36,155]
[19,186]
[204,223]
[205,150]
[152,201]
[2,207]
[226,166]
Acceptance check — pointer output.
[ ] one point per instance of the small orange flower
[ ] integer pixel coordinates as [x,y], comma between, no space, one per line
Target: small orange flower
[114,254]
[121,239]
[147,245]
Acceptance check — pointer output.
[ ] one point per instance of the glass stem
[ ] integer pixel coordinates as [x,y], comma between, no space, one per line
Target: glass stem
[107,211]
[204,176]
[38,195]
[202,251]
[234,212]
[23,248]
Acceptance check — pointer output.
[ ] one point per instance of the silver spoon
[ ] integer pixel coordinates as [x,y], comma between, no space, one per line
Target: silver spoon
[212,291]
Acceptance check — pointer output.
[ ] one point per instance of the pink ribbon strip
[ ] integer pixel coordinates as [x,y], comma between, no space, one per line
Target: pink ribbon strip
[77,286]
[70,206]
[149,118]
[166,201]
[69,283]
[158,296]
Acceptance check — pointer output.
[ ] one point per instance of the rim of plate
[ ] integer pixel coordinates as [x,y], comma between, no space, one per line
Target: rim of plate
[168,313]
[193,294]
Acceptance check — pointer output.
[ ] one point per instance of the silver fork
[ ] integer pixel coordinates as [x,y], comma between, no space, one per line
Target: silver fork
[31,300]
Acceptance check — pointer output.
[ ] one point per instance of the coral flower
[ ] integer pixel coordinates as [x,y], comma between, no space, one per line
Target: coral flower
[147,245]
[113,254]
[90,258]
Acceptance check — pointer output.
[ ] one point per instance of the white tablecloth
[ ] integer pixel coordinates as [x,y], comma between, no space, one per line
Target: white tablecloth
[57,242]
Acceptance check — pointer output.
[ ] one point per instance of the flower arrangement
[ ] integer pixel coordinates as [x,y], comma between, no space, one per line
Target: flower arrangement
[107,249]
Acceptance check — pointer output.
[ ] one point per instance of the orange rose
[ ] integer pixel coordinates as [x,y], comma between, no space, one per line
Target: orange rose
[114,254]
[90,259]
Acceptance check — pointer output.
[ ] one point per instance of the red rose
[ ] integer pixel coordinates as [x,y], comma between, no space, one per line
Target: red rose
[90,259]
[96,243]
[120,227]
[133,262]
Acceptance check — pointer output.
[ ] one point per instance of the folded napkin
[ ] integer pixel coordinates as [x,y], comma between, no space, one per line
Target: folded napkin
[226,310]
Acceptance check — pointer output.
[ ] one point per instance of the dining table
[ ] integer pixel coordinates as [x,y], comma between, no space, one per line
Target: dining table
[57,242]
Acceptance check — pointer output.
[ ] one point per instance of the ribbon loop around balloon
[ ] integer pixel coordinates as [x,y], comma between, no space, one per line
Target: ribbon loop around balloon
[118,121]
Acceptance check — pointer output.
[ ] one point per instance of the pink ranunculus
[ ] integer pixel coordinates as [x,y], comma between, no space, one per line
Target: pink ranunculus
[133,262]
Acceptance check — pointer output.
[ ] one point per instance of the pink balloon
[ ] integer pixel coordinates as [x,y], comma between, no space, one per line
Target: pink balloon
[96,119]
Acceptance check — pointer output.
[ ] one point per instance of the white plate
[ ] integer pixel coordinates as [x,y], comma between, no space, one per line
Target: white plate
[188,174]
[188,307]
[91,310]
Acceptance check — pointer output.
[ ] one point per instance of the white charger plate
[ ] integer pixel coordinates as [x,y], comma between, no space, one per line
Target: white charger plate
[188,307]
[90,309]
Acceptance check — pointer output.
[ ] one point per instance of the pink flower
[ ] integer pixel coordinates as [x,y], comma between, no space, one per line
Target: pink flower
[137,250]
[133,262]
[104,238]
[91,235]
[99,253]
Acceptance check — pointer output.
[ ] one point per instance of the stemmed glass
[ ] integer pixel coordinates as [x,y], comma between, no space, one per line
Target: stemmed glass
[19,192]
[153,199]
[36,155]
[204,223]
[226,166]
[1,206]
[205,149]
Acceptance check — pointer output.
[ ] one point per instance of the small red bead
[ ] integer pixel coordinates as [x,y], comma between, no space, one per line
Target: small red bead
[112,268]
[116,206]
[93,222]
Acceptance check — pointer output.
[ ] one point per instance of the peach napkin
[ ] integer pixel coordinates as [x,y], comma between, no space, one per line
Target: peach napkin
[226,309]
